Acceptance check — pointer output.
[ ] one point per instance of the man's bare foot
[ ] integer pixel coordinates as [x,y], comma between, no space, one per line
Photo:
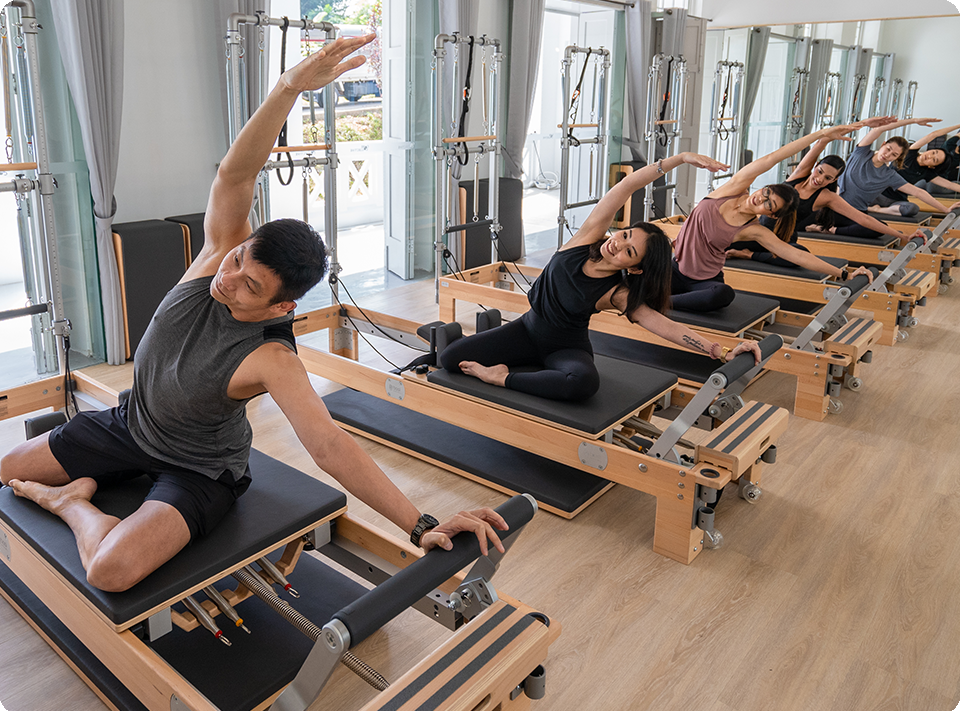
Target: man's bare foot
[739,254]
[55,498]
[494,374]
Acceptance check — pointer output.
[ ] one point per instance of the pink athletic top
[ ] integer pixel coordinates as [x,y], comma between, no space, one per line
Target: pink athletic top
[704,239]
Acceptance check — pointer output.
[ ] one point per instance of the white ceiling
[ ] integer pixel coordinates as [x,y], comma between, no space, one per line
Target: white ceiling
[740,13]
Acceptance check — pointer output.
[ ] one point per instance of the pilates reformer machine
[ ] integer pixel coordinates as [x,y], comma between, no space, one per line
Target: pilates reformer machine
[569,139]
[28,159]
[725,119]
[565,454]
[666,89]
[203,633]
[828,100]
[821,369]
[238,110]
[451,144]
[937,260]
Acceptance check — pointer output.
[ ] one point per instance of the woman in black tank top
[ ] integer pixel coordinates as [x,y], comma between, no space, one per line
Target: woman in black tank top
[547,351]
[816,183]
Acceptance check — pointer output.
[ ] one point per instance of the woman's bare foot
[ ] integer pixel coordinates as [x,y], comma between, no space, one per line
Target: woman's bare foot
[55,498]
[815,228]
[739,254]
[494,374]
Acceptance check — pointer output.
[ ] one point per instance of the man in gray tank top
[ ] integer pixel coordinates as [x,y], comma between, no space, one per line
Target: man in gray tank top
[221,336]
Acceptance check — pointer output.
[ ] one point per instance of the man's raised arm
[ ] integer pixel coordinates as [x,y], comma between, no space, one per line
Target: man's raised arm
[225,223]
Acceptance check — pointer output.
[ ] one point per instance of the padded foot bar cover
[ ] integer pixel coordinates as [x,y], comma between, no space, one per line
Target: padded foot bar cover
[553,485]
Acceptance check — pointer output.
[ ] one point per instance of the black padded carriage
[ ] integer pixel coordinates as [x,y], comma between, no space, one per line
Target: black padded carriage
[883,241]
[624,388]
[792,270]
[280,502]
[745,311]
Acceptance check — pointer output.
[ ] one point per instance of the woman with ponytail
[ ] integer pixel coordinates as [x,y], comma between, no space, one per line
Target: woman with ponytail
[627,271]
[816,184]
[729,215]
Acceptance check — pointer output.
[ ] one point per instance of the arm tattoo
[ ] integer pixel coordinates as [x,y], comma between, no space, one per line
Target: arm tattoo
[695,344]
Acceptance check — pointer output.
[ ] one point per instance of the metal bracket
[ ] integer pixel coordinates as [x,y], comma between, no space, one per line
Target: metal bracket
[177,705]
[394,388]
[592,456]
[342,339]
[157,625]
[320,536]
[726,406]
[324,657]
[886,256]
[4,545]
[473,597]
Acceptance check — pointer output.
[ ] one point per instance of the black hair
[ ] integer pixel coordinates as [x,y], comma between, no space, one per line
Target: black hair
[834,161]
[293,251]
[652,287]
[786,219]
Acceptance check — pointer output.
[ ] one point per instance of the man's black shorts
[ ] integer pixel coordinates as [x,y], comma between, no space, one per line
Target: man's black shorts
[99,445]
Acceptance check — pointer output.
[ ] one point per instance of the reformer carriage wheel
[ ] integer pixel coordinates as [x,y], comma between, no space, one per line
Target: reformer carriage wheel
[902,335]
[854,383]
[836,407]
[912,321]
[749,491]
[712,539]
[942,288]
[948,279]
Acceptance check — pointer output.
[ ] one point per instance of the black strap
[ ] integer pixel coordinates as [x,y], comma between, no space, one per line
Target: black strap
[282,138]
[575,100]
[722,132]
[663,140]
[465,105]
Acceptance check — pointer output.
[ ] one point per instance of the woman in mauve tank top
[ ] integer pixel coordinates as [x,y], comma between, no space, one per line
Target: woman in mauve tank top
[728,215]
[547,351]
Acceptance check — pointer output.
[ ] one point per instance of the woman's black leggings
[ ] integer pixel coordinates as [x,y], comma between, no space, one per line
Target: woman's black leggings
[699,294]
[556,374]
[846,226]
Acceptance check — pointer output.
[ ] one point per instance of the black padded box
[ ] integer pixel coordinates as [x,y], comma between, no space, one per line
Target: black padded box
[476,251]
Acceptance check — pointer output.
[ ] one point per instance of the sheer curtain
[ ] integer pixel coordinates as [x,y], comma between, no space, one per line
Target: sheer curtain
[524,52]
[90,36]
[639,22]
[753,71]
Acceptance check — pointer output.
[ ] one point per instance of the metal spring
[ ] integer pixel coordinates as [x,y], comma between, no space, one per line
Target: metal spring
[250,580]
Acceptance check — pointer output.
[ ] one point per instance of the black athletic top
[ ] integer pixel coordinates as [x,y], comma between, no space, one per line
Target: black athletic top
[179,411]
[913,172]
[563,299]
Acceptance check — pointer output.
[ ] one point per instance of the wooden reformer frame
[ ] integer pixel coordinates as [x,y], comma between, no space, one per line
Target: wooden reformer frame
[160,688]
[677,486]
[817,373]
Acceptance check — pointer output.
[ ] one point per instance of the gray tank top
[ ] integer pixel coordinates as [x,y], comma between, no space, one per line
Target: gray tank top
[179,411]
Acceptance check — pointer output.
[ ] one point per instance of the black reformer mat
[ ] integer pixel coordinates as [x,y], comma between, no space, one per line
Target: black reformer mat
[280,502]
[883,241]
[751,265]
[682,363]
[745,311]
[624,387]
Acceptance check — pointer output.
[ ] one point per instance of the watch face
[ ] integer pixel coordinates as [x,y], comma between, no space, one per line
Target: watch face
[429,521]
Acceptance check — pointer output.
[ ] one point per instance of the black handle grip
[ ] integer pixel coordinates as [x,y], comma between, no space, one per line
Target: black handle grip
[735,369]
[860,281]
[918,242]
[376,608]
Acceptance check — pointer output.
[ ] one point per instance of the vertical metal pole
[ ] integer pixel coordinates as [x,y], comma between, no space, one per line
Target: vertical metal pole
[653,96]
[602,118]
[493,191]
[440,158]
[330,172]
[564,141]
[45,179]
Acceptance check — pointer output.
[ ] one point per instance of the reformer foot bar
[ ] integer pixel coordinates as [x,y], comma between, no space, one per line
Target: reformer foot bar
[820,373]
[141,650]
[601,444]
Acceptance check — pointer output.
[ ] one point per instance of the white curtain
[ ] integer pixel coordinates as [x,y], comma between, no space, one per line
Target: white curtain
[90,36]
[524,53]
[821,51]
[639,21]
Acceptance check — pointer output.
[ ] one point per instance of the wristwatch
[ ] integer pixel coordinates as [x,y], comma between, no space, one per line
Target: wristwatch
[424,524]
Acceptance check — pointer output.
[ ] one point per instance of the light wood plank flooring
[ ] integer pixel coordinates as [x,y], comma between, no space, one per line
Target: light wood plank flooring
[838,590]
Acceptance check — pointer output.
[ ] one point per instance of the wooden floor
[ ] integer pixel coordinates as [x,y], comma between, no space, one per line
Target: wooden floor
[839,590]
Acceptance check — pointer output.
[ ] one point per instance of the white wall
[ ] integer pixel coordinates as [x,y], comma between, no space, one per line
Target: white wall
[724,13]
[173,132]
[926,50]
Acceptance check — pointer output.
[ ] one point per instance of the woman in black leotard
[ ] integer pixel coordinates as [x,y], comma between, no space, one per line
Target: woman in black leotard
[547,352]
[816,184]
